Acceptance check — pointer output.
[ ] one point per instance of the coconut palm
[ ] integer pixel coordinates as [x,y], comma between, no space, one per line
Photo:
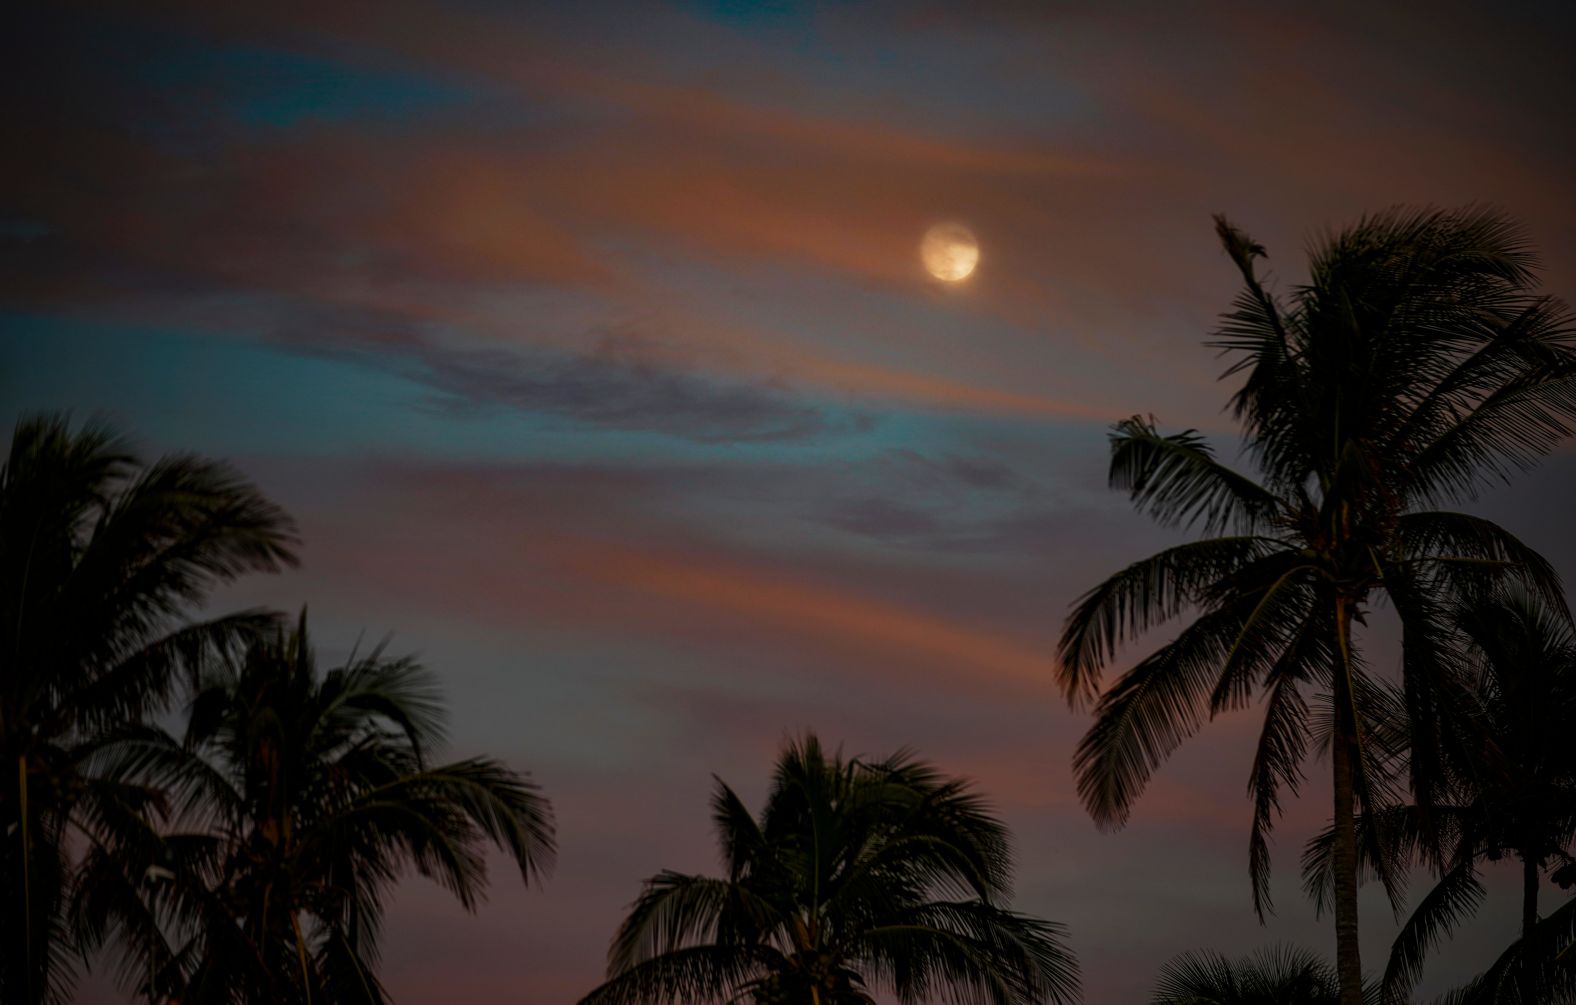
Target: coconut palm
[298,799]
[1539,968]
[1513,793]
[103,557]
[856,876]
[1415,364]
[1274,975]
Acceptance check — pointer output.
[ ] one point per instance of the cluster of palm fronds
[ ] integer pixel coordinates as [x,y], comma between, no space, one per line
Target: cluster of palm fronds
[1509,793]
[858,876]
[1415,365]
[246,857]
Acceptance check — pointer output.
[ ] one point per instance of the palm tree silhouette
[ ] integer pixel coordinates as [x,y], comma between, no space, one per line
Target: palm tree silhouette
[1274,975]
[300,798]
[857,875]
[101,557]
[1513,789]
[1539,968]
[1415,364]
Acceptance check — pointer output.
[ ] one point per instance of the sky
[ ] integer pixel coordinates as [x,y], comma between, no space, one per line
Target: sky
[590,346]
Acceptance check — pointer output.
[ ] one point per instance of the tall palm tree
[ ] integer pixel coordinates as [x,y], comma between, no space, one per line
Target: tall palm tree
[1415,364]
[1274,975]
[1513,789]
[103,557]
[856,876]
[299,798]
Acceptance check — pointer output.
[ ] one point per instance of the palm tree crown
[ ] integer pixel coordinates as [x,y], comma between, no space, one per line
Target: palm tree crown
[299,798]
[102,556]
[1416,363]
[1275,975]
[856,876]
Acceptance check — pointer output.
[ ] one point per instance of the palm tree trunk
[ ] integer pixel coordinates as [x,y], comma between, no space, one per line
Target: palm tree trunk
[27,879]
[1529,921]
[1529,895]
[1348,953]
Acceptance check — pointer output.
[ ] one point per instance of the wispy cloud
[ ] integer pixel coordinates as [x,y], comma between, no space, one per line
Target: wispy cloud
[615,385]
[663,443]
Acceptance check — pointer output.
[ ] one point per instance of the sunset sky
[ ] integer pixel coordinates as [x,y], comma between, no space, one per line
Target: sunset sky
[591,348]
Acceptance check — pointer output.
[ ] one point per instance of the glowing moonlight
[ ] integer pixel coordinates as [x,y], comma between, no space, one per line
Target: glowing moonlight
[949,252]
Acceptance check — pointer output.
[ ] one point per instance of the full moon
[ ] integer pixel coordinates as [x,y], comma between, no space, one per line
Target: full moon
[949,252]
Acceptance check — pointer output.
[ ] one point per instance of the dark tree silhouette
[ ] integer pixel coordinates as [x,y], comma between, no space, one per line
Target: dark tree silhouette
[1415,364]
[1275,975]
[299,799]
[102,556]
[856,876]
[1537,969]
[1513,782]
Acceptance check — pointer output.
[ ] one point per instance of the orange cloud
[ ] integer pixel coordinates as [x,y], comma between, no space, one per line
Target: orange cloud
[796,609]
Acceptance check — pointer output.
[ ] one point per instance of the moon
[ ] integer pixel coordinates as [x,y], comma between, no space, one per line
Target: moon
[950,252]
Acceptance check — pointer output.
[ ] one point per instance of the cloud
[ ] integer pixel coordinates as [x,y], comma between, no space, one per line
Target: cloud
[440,217]
[616,385]
[620,219]
[667,555]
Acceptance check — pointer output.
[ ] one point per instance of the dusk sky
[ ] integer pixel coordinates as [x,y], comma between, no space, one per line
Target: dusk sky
[591,348]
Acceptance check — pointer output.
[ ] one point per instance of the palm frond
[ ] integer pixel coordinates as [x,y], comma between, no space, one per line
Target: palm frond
[674,910]
[970,952]
[1284,975]
[1454,545]
[1167,696]
[1453,899]
[694,975]
[1143,596]
[1202,977]
[1277,759]
[738,834]
[1539,969]
[1177,480]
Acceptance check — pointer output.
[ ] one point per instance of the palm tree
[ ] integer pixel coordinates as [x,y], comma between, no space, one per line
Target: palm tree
[102,557]
[1537,969]
[1275,975]
[299,798]
[1415,364]
[1513,791]
[857,875]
